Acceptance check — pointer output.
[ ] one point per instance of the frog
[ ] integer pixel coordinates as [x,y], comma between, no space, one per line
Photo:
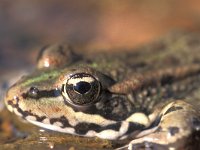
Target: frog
[148,96]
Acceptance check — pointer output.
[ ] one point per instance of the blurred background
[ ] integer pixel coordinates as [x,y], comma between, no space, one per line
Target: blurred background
[26,26]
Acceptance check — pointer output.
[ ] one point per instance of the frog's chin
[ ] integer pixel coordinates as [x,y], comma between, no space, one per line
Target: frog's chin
[108,134]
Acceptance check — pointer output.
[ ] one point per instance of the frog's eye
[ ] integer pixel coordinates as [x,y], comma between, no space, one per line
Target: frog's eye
[81,89]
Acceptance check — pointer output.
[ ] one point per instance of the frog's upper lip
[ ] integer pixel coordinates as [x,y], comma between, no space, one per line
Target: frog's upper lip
[12,96]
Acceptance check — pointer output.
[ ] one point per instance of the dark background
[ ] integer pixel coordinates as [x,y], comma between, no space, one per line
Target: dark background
[88,25]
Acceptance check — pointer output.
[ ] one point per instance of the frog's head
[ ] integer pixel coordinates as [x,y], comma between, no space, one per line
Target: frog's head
[76,101]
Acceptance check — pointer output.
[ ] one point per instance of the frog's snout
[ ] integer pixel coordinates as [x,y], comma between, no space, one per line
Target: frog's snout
[12,98]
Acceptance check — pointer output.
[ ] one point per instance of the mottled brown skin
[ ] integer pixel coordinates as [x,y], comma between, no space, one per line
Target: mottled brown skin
[149,80]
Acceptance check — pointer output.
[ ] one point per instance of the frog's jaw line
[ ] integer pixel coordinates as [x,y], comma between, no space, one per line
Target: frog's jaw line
[9,107]
[105,132]
[108,134]
[52,127]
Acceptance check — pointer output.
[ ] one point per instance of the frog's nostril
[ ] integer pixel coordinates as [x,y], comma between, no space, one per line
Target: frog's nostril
[33,92]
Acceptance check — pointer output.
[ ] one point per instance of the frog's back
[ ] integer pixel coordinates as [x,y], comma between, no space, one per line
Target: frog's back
[176,49]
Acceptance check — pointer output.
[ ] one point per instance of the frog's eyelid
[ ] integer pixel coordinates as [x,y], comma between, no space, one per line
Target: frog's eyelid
[105,80]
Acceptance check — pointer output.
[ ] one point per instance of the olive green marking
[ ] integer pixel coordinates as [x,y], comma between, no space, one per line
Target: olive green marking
[43,77]
[94,65]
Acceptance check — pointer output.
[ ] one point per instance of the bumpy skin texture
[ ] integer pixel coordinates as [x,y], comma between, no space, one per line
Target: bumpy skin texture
[143,83]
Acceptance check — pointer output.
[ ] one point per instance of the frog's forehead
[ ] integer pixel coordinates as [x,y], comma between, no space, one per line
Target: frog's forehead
[39,77]
[49,79]
[45,76]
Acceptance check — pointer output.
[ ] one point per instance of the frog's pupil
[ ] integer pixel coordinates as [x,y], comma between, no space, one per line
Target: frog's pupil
[82,87]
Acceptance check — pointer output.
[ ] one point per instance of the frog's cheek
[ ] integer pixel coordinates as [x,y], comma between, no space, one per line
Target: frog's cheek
[54,114]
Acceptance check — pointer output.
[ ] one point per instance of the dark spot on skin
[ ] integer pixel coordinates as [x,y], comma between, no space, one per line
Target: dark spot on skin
[196,123]
[173,108]
[62,120]
[173,130]
[134,127]
[24,95]
[25,113]
[40,119]
[168,79]
[83,128]
[148,92]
